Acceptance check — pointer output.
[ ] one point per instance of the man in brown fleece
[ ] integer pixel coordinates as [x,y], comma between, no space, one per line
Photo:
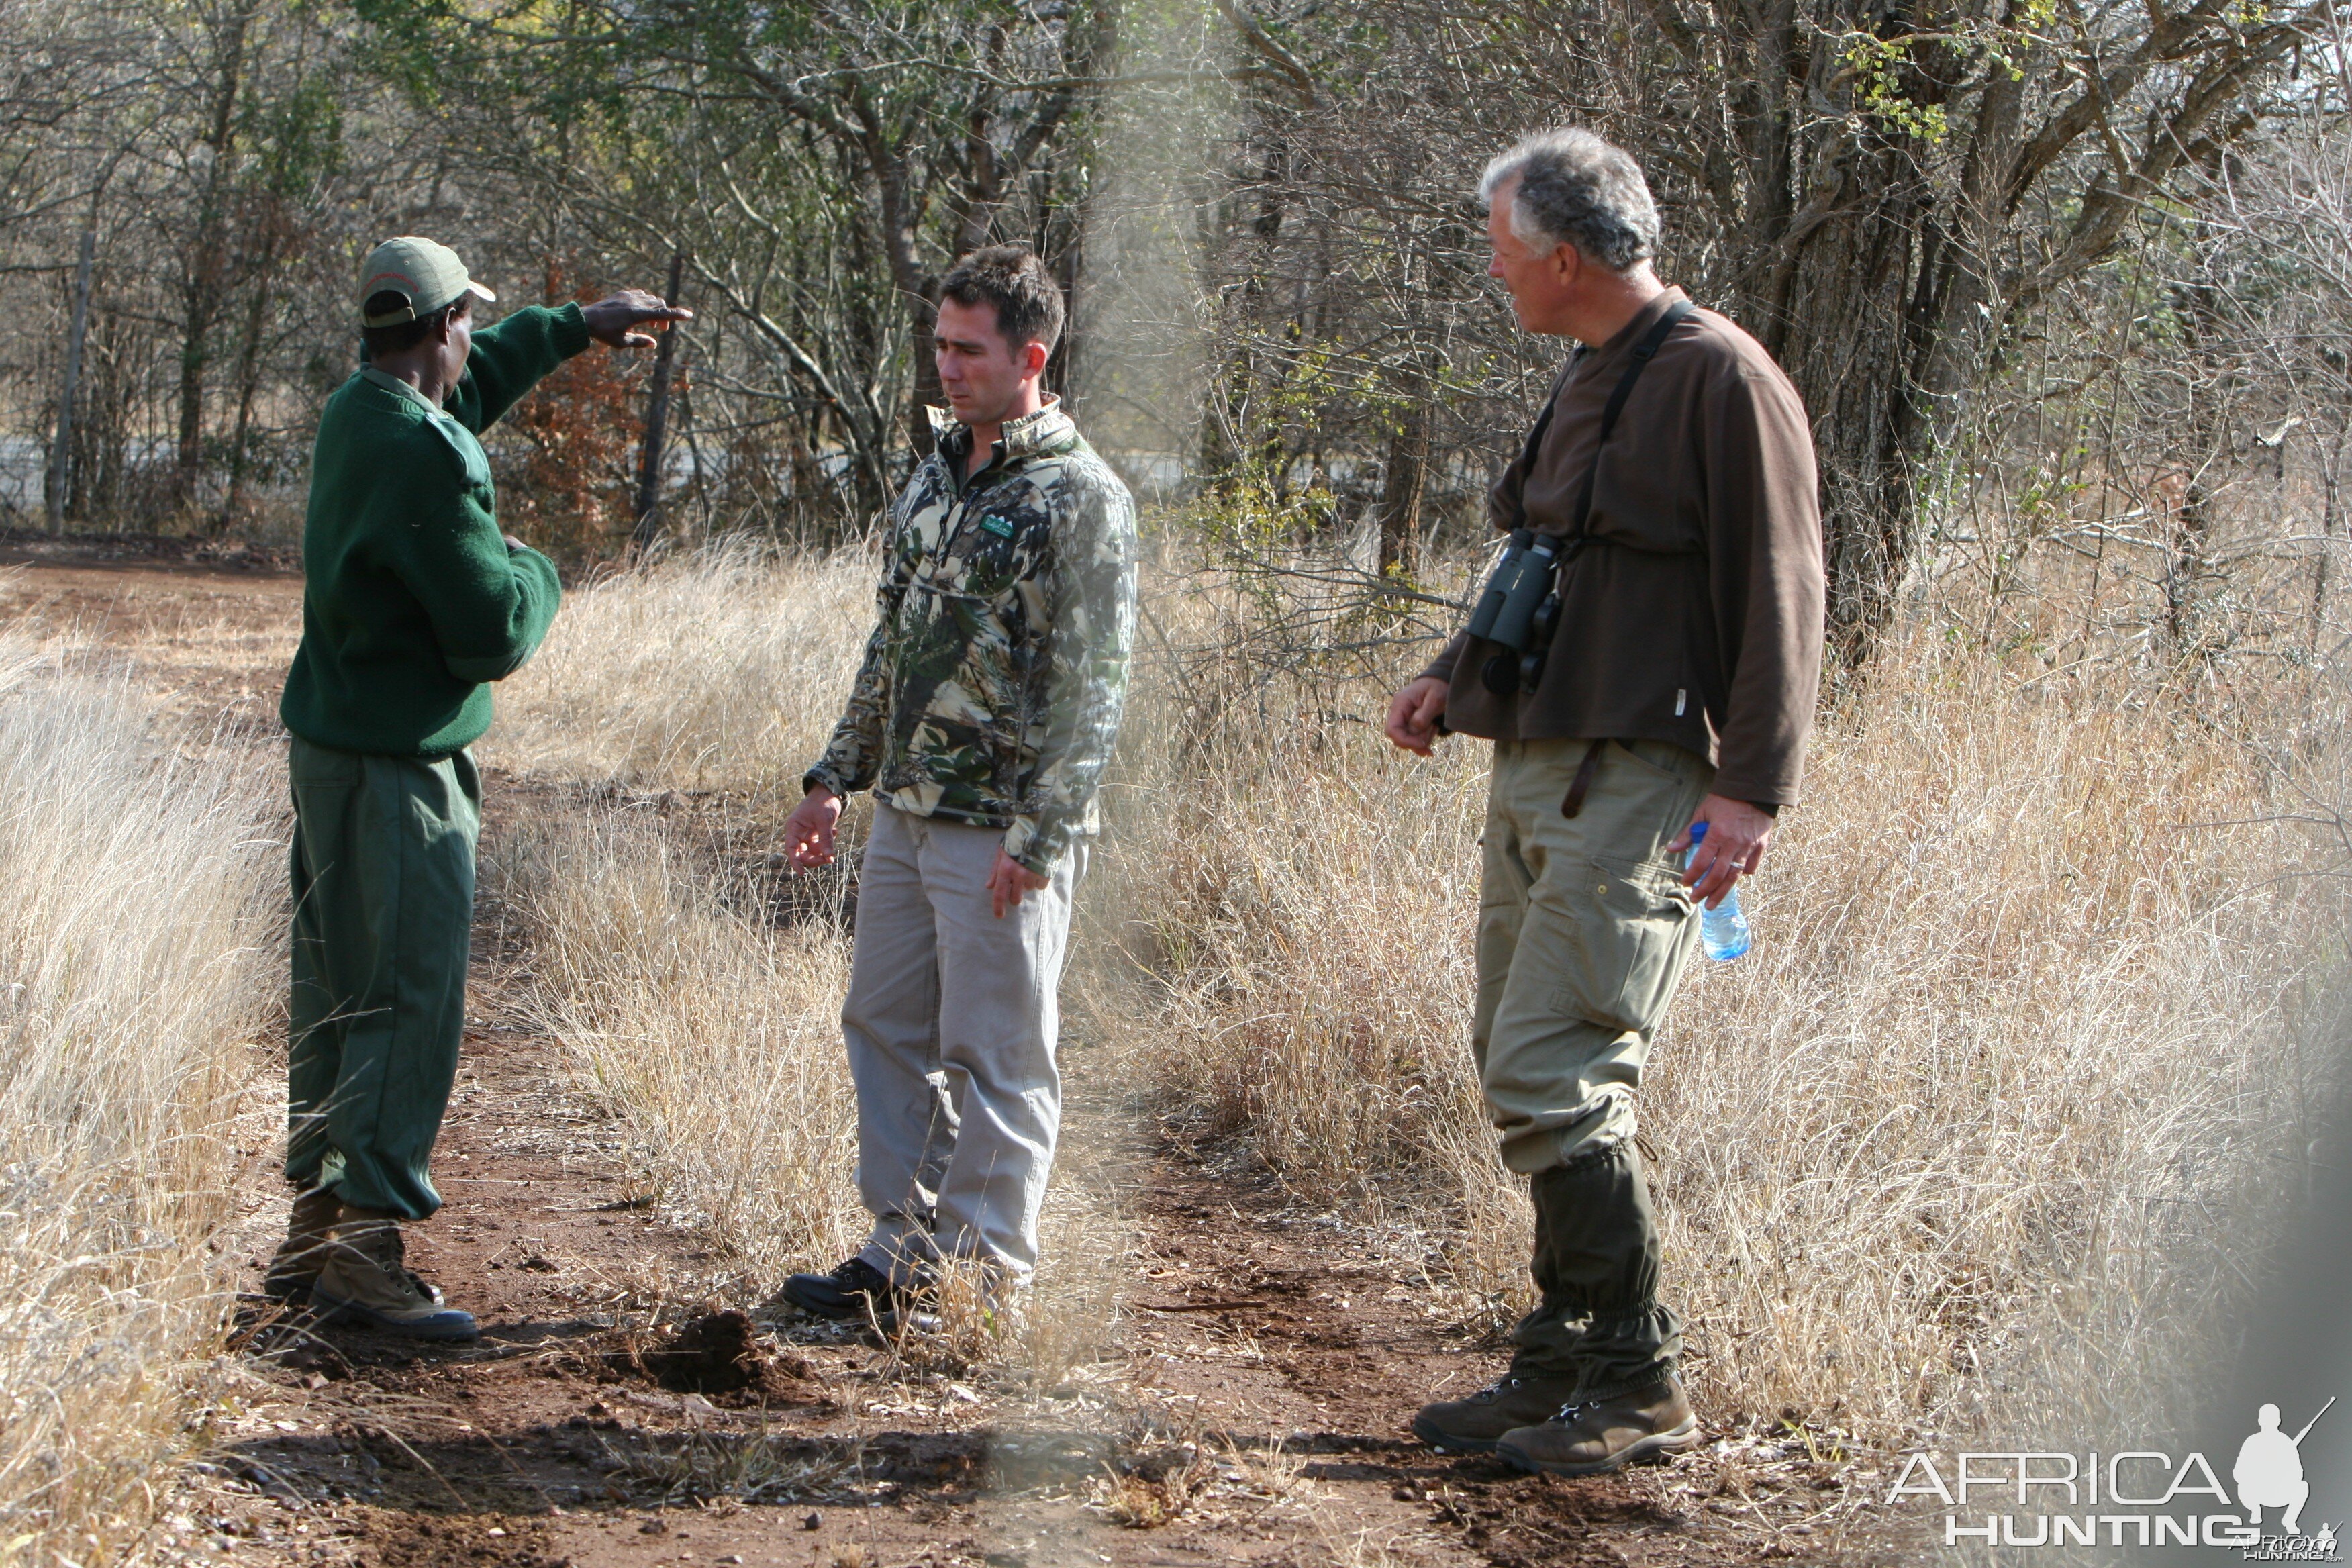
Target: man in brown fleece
[1671,479]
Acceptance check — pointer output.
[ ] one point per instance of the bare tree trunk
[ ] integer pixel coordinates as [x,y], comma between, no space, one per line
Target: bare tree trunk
[248,383]
[1404,485]
[2331,480]
[202,284]
[918,287]
[649,467]
[61,445]
[1841,300]
[2192,522]
[1068,366]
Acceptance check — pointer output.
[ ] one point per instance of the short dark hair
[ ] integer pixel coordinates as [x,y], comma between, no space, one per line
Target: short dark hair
[1011,278]
[401,336]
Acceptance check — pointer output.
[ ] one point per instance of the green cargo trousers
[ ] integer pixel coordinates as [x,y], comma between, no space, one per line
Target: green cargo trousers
[1584,929]
[382,865]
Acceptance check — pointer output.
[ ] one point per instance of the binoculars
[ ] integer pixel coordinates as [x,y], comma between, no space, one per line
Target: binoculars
[1519,611]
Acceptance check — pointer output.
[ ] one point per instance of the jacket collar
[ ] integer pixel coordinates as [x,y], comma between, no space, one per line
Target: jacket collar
[394,383]
[1027,437]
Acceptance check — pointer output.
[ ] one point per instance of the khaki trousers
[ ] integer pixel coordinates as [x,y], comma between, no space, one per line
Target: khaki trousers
[950,1026]
[1583,933]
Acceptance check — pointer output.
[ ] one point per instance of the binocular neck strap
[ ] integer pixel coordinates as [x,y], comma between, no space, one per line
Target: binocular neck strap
[1535,439]
[1643,353]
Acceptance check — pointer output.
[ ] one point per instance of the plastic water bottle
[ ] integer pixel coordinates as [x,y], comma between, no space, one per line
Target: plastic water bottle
[1723,930]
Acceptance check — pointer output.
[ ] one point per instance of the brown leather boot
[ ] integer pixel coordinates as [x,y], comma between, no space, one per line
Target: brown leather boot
[366,1276]
[294,1268]
[1473,1425]
[1602,1434]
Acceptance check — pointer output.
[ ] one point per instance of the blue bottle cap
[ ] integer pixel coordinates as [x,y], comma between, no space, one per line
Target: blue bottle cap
[1699,833]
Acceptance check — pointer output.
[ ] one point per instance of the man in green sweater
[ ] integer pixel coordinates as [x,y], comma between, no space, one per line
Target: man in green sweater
[413,602]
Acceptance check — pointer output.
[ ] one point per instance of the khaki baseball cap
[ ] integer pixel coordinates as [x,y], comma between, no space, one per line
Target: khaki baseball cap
[427,275]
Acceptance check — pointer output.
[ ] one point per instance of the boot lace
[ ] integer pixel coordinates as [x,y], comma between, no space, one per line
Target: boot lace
[388,1250]
[400,1269]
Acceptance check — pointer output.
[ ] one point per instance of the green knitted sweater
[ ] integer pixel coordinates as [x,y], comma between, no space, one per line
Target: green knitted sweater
[411,600]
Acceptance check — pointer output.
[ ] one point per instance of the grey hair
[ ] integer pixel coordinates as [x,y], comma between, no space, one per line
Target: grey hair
[1576,189]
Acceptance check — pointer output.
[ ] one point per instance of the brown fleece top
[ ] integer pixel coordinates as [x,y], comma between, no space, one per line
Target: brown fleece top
[1693,614]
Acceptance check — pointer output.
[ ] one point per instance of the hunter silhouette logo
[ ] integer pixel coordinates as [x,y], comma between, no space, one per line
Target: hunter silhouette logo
[2269,1471]
[2130,1497]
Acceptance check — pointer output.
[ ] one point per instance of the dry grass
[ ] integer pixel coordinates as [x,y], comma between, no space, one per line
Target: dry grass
[708,1025]
[710,673]
[1969,1139]
[711,1031]
[1972,1122]
[135,965]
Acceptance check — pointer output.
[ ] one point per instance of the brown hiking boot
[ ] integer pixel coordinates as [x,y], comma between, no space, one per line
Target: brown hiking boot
[294,1268]
[1602,1434]
[1475,1425]
[366,1276]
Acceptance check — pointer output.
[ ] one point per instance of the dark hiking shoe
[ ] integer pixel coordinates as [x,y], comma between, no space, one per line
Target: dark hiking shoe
[856,1291]
[366,1276]
[294,1268]
[1602,1434]
[1475,1425]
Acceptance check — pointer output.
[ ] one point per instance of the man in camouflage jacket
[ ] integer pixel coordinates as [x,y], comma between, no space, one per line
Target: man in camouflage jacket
[981,718]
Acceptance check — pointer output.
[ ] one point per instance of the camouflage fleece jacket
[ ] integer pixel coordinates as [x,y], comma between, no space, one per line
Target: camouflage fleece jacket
[991,689]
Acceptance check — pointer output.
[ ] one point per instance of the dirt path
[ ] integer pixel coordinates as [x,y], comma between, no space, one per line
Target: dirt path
[1250,1408]
[1254,1402]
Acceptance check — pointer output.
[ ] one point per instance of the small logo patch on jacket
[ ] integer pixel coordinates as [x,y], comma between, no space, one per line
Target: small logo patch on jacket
[997,526]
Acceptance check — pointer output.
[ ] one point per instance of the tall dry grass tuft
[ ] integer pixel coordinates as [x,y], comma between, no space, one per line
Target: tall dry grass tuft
[717,669]
[135,965]
[1971,1139]
[711,1031]
[709,1026]
[1973,1121]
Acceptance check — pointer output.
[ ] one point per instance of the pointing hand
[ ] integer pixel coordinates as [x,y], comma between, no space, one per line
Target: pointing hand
[614,320]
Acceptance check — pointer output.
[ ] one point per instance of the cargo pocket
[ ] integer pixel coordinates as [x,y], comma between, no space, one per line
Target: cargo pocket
[1630,939]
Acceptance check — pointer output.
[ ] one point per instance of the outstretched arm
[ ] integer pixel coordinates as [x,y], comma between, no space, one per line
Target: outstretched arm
[510,356]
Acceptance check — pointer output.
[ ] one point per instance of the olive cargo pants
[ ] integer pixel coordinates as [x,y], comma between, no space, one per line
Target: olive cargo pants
[382,866]
[950,1025]
[1583,932]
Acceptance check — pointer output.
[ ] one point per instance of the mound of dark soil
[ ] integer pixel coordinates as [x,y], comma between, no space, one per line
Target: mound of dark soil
[718,1354]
